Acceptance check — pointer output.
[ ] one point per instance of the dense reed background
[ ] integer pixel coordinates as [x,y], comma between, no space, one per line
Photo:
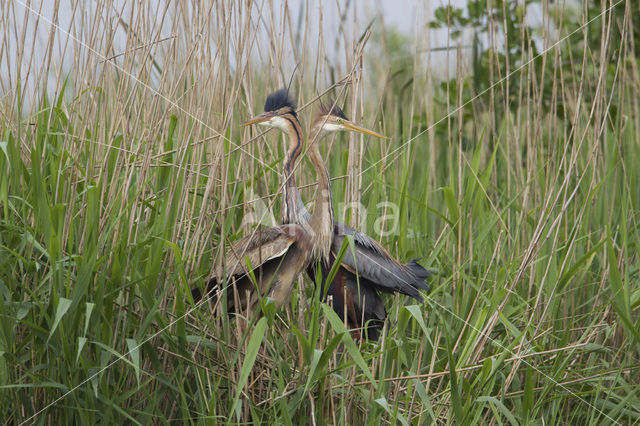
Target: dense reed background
[512,170]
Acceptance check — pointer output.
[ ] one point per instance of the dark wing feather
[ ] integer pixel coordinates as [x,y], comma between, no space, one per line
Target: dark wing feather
[375,264]
[368,306]
[419,271]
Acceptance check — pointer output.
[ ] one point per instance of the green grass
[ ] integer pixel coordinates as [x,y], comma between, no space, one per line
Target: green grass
[116,199]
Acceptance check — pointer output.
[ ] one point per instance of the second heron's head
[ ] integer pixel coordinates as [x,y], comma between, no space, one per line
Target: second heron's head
[331,118]
[279,111]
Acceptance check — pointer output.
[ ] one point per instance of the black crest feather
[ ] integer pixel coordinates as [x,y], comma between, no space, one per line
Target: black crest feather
[279,99]
[332,108]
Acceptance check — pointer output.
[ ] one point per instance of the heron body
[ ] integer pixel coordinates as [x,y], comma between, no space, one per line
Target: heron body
[277,256]
[367,269]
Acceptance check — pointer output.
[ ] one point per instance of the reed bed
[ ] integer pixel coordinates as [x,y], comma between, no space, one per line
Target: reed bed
[512,171]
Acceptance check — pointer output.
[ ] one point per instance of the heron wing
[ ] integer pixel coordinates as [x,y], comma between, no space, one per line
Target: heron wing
[258,247]
[375,264]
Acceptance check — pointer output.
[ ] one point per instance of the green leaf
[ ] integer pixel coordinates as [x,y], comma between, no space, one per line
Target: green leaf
[317,353]
[382,402]
[63,306]
[134,351]
[574,268]
[81,342]
[324,359]
[3,148]
[452,206]
[621,298]
[87,316]
[346,243]
[348,342]
[500,406]
[456,399]
[250,358]
[424,398]
[416,313]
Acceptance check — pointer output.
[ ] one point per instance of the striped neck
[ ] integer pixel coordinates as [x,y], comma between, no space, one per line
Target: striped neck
[291,201]
[322,219]
[320,224]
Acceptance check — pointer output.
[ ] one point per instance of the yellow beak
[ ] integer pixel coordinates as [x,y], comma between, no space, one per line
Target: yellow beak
[348,125]
[265,116]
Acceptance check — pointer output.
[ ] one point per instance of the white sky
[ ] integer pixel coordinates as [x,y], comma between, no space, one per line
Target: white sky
[409,17]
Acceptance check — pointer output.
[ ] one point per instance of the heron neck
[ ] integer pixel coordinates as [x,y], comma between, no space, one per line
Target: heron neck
[292,205]
[321,221]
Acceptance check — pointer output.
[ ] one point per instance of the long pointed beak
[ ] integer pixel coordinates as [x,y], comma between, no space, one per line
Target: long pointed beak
[355,128]
[265,116]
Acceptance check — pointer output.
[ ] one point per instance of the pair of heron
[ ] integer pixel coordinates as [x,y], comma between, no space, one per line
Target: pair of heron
[277,256]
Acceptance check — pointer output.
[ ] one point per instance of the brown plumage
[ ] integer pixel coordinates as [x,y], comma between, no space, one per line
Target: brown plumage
[277,255]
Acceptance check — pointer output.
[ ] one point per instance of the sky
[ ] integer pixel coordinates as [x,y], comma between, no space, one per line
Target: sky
[72,19]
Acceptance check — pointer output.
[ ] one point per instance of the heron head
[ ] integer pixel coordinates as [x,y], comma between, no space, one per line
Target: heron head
[331,118]
[277,106]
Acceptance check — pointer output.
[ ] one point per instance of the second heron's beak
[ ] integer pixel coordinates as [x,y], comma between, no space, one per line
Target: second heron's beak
[265,116]
[348,125]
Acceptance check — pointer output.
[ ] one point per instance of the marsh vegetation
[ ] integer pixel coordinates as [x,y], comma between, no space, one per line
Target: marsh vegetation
[512,170]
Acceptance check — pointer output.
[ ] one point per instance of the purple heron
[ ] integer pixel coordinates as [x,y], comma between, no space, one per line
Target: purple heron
[369,267]
[277,256]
